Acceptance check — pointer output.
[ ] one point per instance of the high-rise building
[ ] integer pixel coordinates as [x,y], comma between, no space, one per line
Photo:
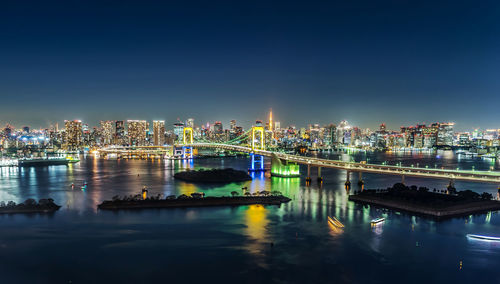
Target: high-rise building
[382,128]
[232,124]
[445,134]
[107,132]
[179,131]
[158,132]
[120,132]
[218,129]
[74,131]
[137,132]
[190,122]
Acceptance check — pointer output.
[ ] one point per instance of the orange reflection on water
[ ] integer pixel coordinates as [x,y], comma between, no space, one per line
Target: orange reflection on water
[256,221]
[334,231]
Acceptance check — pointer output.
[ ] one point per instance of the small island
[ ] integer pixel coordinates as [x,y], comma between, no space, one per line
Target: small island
[437,204]
[213,176]
[195,200]
[29,206]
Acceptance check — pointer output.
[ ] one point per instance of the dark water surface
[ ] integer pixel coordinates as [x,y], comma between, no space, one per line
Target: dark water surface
[233,244]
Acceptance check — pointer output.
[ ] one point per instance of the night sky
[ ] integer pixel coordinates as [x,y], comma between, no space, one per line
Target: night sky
[399,62]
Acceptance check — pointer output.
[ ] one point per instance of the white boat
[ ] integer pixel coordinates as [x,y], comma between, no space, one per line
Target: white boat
[377,221]
[334,221]
[483,238]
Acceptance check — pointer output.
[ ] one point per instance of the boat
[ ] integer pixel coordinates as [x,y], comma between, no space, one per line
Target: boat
[334,221]
[377,221]
[483,238]
[47,161]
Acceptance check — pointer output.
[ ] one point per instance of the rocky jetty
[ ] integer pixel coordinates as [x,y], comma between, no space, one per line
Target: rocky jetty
[213,176]
[422,201]
[29,206]
[196,200]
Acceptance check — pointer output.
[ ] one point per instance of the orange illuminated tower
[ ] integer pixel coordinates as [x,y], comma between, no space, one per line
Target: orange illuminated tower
[271,120]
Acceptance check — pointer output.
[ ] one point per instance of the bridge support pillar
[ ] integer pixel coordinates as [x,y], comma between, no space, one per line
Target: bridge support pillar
[348,181]
[361,182]
[320,178]
[257,163]
[403,179]
[308,178]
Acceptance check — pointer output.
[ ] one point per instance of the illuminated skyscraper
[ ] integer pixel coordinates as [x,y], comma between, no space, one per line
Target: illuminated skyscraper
[107,132]
[74,132]
[218,129]
[445,134]
[137,132]
[119,132]
[179,131]
[158,132]
[190,122]
[232,124]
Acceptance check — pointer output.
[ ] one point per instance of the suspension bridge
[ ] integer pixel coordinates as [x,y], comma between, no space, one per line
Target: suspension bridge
[254,142]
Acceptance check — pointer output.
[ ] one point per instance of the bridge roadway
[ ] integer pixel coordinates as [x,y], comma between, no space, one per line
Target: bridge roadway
[475,176]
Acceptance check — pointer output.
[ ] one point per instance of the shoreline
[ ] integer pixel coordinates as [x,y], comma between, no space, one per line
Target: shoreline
[463,209]
[193,202]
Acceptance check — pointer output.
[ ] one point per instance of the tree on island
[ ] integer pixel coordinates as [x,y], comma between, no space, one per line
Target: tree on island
[234,193]
[486,196]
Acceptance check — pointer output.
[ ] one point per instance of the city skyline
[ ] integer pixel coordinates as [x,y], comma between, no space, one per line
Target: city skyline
[366,62]
[168,125]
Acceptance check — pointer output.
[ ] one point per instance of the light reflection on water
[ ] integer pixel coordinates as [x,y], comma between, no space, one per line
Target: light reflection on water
[238,239]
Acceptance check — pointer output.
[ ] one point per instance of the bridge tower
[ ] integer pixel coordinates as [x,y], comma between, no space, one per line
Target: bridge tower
[258,143]
[258,131]
[187,139]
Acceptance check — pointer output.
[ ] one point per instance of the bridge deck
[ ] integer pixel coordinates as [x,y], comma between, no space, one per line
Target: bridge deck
[478,176]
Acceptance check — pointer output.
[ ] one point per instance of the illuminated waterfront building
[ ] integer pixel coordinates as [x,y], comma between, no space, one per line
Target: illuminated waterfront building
[158,132]
[73,134]
[136,132]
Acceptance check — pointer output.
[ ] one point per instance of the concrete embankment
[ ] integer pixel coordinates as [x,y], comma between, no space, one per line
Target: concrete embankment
[193,202]
[465,208]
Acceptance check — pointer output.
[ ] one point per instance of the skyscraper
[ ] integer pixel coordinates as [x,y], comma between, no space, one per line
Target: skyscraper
[445,134]
[218,129]
[137,132]
[74,132]
[158,132]
[179,131]
[119,132]
[106,132]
